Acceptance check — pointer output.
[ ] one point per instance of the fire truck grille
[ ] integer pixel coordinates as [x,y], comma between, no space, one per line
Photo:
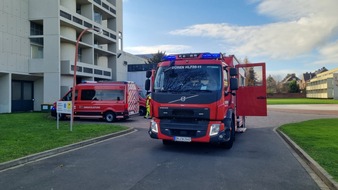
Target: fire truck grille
[181,112]
[185,129]
[188,113]
[185,133]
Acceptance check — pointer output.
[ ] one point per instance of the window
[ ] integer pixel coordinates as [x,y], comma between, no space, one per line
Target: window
[65,15]
[36,29]
[97,17]
[188,78]
[79,54]
[78,8]
[101,95]
[16,91]
[253,76]
[96,58]
[36,48]
[68,97]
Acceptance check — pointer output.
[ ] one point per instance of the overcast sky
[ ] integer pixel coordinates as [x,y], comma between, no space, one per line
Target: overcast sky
[291,36]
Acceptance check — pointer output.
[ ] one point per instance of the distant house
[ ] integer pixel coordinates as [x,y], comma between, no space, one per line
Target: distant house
[308,76]
[289,78]
[284,84]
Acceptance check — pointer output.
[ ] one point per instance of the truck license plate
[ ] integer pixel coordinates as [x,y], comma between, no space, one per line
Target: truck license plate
[182,139]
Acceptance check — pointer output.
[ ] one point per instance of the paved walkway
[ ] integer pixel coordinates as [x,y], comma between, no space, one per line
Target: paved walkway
[321,109]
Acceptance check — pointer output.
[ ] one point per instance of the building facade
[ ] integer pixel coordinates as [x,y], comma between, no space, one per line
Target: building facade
[38,41]
[324,85]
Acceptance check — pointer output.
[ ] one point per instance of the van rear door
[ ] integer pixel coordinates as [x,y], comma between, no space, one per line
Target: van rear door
[251,93]
[133,98]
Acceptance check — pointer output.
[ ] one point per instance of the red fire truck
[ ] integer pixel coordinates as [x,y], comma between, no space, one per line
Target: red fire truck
[204,97]
[110,100]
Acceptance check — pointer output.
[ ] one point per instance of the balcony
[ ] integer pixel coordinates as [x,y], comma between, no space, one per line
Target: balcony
[84,69]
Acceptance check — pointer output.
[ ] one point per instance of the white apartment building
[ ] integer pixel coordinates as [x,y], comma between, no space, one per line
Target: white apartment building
[324,85]
[37,48]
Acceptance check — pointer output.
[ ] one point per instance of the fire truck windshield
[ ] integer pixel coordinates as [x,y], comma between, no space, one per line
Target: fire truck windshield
[185,78]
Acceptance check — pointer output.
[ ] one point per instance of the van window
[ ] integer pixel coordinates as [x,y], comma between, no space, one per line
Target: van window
[87,94]
[102,95]
[68,96]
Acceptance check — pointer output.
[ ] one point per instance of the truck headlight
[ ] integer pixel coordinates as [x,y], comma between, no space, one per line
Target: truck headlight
[214,129]
[153,126]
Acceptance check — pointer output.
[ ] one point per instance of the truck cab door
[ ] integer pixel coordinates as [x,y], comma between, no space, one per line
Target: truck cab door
[251,93]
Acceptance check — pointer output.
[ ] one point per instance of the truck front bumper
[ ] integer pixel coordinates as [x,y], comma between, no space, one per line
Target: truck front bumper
[197,133]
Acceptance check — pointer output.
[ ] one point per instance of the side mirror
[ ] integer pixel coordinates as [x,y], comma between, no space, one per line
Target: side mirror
[147,85]
[233,84]
[233,72]
[148,74]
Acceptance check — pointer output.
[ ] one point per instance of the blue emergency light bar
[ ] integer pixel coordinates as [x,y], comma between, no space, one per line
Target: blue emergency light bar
[192,56]
[211,56]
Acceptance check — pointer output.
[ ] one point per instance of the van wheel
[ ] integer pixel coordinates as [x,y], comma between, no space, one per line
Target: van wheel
[142,111]
[62,116]
[110,116]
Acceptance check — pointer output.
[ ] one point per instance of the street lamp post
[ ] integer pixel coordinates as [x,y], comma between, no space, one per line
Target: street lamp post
[75,69]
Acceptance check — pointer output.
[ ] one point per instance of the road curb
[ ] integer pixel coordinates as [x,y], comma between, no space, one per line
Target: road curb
[48,153]
[316,168]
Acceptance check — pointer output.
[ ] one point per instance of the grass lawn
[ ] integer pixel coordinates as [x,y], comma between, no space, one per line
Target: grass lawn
[22,134]
[275,101]
[319,138]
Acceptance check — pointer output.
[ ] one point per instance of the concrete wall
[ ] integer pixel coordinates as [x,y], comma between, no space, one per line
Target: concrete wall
[15,48]
[5,95]
[49,14]
[14,32]
[335,86]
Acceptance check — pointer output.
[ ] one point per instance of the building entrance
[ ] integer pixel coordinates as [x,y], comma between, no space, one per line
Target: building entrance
[22,96]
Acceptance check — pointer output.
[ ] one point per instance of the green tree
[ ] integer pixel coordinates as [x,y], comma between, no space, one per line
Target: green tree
[250,75]
[271,85]
[293,87]
[250,79]
[156,58]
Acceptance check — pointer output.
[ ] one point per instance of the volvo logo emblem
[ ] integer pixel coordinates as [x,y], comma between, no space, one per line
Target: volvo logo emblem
[183,98]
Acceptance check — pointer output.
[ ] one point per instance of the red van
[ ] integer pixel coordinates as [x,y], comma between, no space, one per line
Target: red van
[108,100]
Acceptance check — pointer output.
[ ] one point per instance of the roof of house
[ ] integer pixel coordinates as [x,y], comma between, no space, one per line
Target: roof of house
[290,77]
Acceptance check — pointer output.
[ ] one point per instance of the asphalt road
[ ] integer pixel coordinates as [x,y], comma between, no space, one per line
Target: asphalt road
[259,159]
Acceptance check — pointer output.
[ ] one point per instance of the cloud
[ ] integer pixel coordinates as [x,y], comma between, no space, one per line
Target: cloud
[301,26]
[154,49]
[328,54]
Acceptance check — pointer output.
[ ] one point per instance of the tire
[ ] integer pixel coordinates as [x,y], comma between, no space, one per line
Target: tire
[228,144]
[62,116]
[243,122]
[166,142]
[110,116]
[142,111]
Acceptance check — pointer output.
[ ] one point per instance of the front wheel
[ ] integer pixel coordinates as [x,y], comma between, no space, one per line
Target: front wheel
[142,111]
[228,144]
[110,116]
[167,142]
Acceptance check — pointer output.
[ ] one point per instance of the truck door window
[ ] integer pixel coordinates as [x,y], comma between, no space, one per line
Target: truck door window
[225,79]
[253,76]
